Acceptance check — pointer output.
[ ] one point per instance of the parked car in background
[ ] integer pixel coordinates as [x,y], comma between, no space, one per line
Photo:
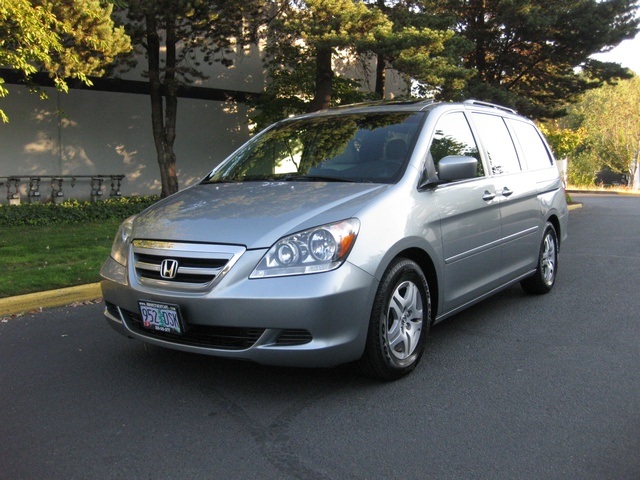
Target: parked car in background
[343,236]
[608,178]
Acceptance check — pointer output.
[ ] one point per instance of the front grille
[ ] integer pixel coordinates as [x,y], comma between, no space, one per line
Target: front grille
[190,270]
[224,338]
[197,266]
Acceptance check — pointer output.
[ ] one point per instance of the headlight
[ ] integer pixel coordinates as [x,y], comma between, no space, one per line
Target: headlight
[318,249]
[120,248]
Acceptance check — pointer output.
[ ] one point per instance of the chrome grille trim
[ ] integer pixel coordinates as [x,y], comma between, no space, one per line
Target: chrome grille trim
[152,267]
[200,266]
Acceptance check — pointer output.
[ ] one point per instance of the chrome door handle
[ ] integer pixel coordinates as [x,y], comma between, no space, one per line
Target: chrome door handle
[488,196]
[506,192]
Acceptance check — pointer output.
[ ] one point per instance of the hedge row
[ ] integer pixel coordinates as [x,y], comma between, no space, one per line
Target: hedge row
[72,211]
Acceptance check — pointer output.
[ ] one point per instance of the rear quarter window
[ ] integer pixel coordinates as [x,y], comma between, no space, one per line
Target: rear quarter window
[497,142]
[534,149]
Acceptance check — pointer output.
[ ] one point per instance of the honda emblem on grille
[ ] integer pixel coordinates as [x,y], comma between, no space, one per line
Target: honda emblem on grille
[169,268]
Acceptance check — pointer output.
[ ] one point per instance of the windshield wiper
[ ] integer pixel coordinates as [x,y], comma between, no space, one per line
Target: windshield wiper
[284,178]
[314,178]
[222,180]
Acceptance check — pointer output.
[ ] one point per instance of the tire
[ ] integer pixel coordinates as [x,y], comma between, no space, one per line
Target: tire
[543,280]
[399,323]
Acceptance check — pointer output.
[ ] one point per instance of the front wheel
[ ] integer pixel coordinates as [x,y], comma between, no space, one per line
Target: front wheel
[400,321]
[544,278]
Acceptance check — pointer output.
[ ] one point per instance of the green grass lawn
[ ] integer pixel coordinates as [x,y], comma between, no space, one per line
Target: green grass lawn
[35,259]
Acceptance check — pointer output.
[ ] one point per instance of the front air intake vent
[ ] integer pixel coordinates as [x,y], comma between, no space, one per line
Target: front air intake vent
[294,336]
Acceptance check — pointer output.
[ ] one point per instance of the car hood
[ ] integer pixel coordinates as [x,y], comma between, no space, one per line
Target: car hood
[252,214]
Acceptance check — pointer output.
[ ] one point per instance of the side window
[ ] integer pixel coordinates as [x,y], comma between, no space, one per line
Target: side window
[453,136]
[498,143]
[535,151]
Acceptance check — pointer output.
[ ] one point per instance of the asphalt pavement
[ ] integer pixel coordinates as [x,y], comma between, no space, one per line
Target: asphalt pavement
[516,387]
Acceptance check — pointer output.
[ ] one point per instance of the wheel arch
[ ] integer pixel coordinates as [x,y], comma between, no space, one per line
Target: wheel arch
[555,221]
[427,266]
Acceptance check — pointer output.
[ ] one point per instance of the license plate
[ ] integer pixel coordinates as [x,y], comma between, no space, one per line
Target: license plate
[161,317]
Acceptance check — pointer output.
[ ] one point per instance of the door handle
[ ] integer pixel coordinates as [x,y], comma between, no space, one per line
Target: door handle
[488,196]
[506,192]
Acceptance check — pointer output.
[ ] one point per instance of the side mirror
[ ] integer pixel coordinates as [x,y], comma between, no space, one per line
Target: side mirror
[457,167]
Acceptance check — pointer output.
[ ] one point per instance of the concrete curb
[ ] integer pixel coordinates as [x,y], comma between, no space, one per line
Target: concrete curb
[52,298]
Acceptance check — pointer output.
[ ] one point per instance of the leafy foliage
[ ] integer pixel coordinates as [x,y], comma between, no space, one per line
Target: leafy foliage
[533,55]
[423,46]
[68,39]
[611,118]
[307,40]
[72,211]
[565,142]
[602,131]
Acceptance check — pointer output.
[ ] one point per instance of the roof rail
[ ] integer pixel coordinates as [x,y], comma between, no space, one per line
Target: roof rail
[382,103]
[487,104]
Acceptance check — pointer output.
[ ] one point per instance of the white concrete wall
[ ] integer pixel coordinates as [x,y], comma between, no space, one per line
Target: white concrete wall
[110,133]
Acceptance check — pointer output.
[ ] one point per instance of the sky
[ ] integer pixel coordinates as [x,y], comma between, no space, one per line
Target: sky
[627,54]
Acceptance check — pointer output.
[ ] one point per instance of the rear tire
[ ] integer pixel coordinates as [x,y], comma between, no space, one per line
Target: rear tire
[399,323]
[543,280]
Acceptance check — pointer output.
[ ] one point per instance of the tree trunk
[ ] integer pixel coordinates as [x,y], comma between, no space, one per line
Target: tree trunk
[381,64]
[476,20]
[324,81]
[163,120]
[381,69]
[635,170]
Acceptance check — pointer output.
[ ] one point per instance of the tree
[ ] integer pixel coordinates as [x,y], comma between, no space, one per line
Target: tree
[601,132]
[67,39]
[611,118]
[303,40]
[306,39]
[569,143]
[534,54]
[177,37]
[327,26]
[422,45]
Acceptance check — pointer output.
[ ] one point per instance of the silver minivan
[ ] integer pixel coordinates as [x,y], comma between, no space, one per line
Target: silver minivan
[342,236]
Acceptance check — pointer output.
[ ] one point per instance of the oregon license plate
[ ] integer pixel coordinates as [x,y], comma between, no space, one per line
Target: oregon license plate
[160,317]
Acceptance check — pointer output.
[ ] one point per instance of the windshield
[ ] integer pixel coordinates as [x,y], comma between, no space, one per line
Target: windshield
[347,147]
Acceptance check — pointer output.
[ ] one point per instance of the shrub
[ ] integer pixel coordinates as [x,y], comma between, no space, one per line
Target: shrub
[72,211]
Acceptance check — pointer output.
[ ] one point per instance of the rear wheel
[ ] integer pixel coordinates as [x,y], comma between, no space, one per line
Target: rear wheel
[544,278]
[400,321]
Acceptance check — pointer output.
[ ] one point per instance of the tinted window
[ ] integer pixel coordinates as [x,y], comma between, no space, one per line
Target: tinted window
[535,151]
[498,144]
[453,137]
[354,148]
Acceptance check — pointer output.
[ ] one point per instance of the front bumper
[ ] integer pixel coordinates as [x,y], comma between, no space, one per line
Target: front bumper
[317,320]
